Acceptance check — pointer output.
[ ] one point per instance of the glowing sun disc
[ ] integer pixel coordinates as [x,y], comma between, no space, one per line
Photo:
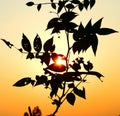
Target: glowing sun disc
[60,61]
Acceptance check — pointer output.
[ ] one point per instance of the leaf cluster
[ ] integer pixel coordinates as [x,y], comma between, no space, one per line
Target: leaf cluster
[64,77]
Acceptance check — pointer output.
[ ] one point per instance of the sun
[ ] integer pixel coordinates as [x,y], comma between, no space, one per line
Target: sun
[60,61]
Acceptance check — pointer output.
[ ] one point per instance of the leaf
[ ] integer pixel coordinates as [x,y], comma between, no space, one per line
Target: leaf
[37,44]
[94,43]
[54,87]
[23,82]
[55,101]
[39,7]
[76,47]
[45,58]
[79,92]
[70,26]
[7,43]
[41,79]
[92,3]
[81,31]
[71,98]
[52,23]
[71,85]
[86,4]
[53,5]
[69,6]
[30,55]
[105,31]
[81,6]
[60,6]
[68,16]
[75,1]
[88,66]
[88,28]
[30,3]
[48,44]
[52,49]
[99,75]
[97,25]
[26,43]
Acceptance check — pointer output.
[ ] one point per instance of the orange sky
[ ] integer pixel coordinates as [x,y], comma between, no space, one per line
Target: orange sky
[103,99]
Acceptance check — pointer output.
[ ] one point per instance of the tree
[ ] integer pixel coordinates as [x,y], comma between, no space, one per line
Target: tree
[61,76]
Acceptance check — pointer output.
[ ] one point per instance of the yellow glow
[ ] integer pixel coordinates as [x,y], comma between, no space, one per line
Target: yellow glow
[60,61]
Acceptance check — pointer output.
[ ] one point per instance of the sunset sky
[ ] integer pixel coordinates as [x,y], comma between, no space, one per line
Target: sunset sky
[103,98]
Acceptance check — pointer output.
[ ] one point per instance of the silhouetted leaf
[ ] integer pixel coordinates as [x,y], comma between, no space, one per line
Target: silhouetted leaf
[51,0]
[105,31]
[68,16]
[76,47]
[7,43]
[23,82]
[88,28]
[52,23]
[94,43]
[79,92]
[81,6]
[45,58]
[41,79]
[39,7]
[96,74]
[48,44]
[86,3]
[71,85]
[76,35]
[92,2]
[60,6]
[75,67]
[52,49]
[97,25]
[30,3]
[69,6]
[30,55]
[21,50]
[54,86]
[71,98]
[37,44]
[88,66]
[70,26]
[56,68]
[55,101]
[26,43]
[53,5]
[75,1]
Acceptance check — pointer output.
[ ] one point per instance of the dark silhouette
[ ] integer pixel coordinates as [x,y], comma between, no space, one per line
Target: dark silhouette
[68,76]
